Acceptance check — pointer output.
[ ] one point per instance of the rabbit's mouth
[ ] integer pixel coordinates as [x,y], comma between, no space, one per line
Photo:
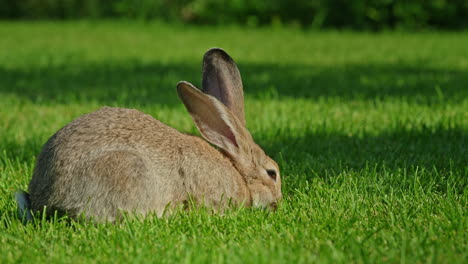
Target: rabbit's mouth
[264,200]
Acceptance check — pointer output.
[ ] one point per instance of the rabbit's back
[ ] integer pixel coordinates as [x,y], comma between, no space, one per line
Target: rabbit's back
[109,160]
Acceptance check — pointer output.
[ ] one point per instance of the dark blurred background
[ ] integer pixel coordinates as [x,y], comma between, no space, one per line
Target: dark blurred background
[319,14]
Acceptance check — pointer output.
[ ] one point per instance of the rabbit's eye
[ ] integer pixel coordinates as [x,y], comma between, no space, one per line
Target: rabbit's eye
[272,174]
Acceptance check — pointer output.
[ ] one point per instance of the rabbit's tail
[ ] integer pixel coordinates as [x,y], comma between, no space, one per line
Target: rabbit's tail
[24,206]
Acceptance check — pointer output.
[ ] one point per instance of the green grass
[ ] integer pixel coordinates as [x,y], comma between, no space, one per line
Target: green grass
[370,131]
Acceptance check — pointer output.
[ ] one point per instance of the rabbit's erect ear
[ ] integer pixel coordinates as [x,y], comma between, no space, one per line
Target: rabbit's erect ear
[215,121]
[222,79]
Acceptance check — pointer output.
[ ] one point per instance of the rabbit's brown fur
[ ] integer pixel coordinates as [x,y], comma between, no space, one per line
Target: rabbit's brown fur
[122,159]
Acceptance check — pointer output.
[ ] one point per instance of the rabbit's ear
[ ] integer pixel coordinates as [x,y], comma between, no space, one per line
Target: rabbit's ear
[222,79]
[215,121]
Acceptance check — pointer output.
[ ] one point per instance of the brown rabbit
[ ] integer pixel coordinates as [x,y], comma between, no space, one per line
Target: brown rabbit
[122,159]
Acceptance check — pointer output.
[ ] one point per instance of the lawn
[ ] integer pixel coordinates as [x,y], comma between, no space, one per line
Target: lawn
[370,132]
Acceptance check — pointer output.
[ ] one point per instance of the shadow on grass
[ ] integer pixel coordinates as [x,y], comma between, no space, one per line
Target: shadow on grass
[134,83]
[441,153]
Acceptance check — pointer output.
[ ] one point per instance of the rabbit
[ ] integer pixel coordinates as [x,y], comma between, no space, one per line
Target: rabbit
[117,159]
